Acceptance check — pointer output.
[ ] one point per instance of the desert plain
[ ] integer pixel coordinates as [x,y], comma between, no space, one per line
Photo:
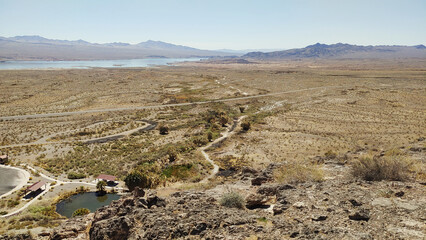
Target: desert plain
[302,123]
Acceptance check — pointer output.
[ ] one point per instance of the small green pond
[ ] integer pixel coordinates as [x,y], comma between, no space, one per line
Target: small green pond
[89,200]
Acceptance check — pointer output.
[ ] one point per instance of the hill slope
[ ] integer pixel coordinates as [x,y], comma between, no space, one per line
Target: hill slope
[341,50]
[39,48]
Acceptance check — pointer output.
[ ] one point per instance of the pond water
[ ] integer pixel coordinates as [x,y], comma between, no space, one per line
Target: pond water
[123,63]
[88,200]
[9,179]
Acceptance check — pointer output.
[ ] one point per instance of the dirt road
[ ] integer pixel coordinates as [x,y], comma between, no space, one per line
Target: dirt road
[60,114]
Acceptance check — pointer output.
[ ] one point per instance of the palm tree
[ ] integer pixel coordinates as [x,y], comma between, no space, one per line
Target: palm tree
[101,186]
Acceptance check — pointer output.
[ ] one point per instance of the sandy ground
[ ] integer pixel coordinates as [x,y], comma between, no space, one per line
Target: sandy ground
[21,179]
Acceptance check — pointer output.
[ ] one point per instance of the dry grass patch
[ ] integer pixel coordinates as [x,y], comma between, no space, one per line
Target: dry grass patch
[394,168]
[232,200]
[299,173]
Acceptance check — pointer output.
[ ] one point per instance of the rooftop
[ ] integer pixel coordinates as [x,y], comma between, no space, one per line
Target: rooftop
[36,186]
[106,177]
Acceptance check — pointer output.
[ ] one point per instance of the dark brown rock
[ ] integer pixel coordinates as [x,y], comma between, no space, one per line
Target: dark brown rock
[399,194]
[355,203]
[259,181]
[360,215]
[319,217]
[138,192]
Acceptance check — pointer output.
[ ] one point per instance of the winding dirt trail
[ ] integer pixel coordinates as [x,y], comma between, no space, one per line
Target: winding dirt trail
[225,135]
[228,133]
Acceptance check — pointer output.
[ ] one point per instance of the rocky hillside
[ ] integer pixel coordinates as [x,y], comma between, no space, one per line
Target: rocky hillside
[339,207]
[328,210]
[341,50]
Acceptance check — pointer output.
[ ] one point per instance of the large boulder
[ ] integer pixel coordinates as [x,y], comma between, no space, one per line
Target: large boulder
[73,228]
[259,201]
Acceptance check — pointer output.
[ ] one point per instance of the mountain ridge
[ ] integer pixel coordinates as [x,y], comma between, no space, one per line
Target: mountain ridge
[342,50]
[35,47]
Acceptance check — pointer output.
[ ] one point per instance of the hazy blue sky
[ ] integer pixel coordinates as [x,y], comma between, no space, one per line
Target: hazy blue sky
[215,24]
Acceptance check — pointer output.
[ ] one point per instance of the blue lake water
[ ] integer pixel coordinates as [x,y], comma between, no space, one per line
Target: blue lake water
[87,200]
[123,63]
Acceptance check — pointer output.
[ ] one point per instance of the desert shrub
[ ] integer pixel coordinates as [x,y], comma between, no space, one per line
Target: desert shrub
[44,210]
[80,212]
[137,179]
[209,136]
[393,168]
[75,175]
[172,154]
[223,120]
[178,171]
[299,173]
[232,200]
[241,108]
[246,125]
[199,140]
[12,203]
[330,154]
[163,129]
[231,162]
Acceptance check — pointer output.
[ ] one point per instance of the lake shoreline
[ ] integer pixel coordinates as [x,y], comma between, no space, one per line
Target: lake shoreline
[90,200]
[90,64]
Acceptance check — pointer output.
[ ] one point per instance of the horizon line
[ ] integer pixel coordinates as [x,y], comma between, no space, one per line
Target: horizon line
[215,49]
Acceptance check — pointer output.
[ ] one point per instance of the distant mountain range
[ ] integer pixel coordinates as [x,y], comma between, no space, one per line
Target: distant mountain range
[245,51]
[342,51]
[40,48]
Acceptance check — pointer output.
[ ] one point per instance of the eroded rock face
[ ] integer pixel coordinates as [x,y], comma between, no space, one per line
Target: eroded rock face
[343,209]
[74,228]
[23,236]
[183,215]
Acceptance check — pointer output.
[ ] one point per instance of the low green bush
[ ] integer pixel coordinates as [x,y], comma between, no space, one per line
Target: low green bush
[75,175]
[245,125]
[232,200]
[178,171]
[81,212]
[163,129]
[137,179]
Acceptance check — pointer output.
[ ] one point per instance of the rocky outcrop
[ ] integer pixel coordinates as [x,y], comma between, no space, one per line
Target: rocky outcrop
[328,210]
[183,215]
[74,228]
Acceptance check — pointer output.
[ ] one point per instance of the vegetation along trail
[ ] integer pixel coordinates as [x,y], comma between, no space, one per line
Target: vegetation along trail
[216,142]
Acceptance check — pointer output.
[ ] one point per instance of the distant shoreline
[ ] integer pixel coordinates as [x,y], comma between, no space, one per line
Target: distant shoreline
[89,64]
[96,59]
